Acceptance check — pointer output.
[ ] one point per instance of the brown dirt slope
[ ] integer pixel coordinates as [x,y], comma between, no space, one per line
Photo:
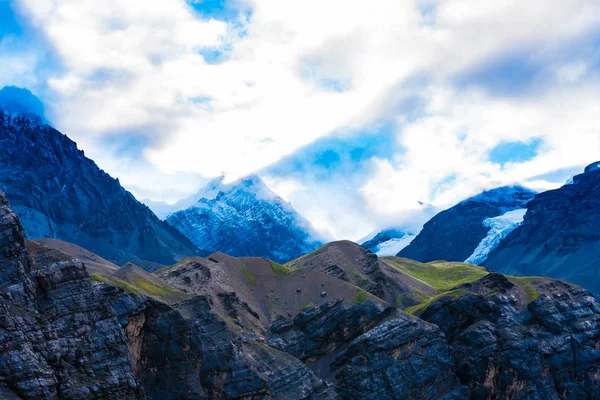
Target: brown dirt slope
[150,284]
[93,262]
[355,264]
[255,291]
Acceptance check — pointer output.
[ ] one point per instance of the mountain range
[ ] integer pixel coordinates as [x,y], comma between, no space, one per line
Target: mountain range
[101,299]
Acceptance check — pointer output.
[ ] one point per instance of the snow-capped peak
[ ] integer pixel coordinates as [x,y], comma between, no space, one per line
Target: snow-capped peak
[250,184]
[245,218]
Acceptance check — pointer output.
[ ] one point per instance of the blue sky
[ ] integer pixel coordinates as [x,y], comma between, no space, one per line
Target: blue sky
[353,114]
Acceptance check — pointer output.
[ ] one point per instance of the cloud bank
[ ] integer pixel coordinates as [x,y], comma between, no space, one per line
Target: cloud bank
[472,94]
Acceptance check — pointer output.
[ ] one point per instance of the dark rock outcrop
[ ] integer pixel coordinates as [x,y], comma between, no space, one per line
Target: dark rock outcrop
[560,235]
[455,233]
[404,358]
[535,338]
[320,331]
[59,337]
[58,192]
[367,357]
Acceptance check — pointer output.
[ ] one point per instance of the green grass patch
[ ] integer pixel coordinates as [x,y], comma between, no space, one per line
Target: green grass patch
[249,276]
[280,270]
[440,276]
[524,283]
[306,306]
[399,302]
[420,307]
[360,297]
[117,282]
[422,297]
[156,290]
[99,278]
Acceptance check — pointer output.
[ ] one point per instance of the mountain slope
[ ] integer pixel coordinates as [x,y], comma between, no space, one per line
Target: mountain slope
[94,263]
[483,335]
[245,218]
[58,192]
[560,235]
[455,233]
[352,263]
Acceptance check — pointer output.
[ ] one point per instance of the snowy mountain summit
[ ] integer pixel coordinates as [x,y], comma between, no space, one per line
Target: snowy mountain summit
[245,218]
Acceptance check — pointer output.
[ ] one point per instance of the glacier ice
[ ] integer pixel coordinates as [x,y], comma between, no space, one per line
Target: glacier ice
[393,246]
[500,227]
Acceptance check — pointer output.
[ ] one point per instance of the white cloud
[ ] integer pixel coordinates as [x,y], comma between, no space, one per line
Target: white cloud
[454,140]
[133,67]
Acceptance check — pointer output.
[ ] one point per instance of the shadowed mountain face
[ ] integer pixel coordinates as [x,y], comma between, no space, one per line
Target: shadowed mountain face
[249,328]
[245,218]
[59,193]
[560,235]
[454,234]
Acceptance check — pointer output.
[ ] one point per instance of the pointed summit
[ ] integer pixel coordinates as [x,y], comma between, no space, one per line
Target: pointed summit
[17,100]
[245,218]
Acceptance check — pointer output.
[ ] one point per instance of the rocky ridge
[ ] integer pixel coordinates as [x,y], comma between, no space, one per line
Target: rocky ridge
[212,328]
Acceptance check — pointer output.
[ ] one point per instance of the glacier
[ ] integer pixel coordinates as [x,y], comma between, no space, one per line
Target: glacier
[500,227]
[393,246]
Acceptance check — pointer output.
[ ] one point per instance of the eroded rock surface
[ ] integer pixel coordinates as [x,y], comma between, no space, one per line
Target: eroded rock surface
[66,336]
[537,339]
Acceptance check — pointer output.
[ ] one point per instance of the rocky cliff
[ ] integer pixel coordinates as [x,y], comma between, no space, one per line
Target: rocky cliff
[59,193]
[522,338]
[560,235]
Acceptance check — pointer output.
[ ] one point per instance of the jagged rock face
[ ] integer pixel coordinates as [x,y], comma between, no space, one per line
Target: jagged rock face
[560,235]
[245,219]
[319,331]
[14,262]
[507,346]
[404,358]
[59,338]
[365,357]
[58,192]
[455,233]
[187,353]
